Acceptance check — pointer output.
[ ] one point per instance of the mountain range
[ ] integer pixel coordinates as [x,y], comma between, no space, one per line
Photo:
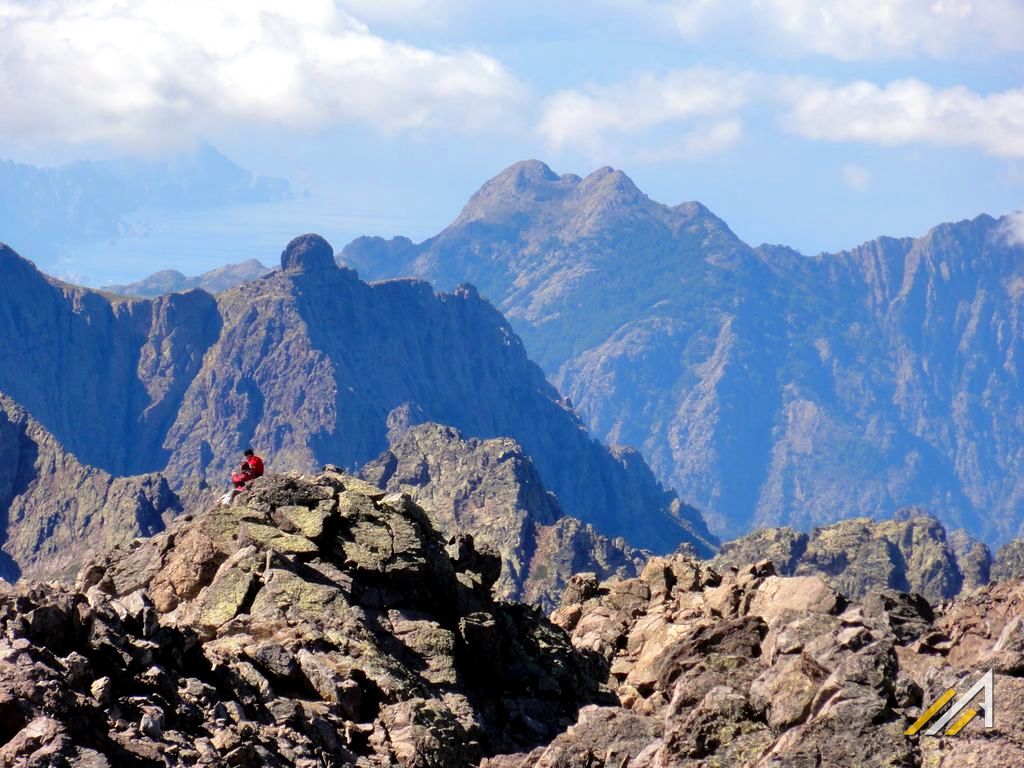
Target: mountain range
[766,387]
[306,364]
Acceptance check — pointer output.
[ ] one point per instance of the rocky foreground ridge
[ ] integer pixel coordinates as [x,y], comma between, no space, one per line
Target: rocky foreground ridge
[318,623]
[747,669]
[321,622]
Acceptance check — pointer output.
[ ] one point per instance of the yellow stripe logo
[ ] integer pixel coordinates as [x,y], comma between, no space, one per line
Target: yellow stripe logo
[960,708]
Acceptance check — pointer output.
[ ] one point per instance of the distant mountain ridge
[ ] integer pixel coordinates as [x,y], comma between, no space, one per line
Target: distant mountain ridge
[767,387]
[212,281]
[305,365]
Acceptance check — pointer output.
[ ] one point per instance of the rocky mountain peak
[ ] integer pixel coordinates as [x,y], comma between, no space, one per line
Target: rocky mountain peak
[518,188]
[308,253]
[526,173]
[610,181]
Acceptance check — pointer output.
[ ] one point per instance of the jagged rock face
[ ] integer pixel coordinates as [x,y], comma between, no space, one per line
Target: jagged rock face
[70,355]
[489,489]
[320,622]
[305,366]
[767,388]
[911,552]
[55,509]
[751,670]
[172,281]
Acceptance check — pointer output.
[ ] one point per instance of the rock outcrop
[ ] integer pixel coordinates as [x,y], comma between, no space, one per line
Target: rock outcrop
[305,364]
[490,490]
[911,552]
[308,253]
[767,387]
[54,509]
[315,622]
[748,669]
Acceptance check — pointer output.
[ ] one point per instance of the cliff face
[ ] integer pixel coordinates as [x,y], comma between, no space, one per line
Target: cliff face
[766,387]
[490,490]
[320,623]
[105,377]
[55,509]
[305,365]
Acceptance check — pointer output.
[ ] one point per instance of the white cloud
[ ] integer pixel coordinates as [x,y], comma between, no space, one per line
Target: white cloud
[406,12]
[700,142]
[854,29]
[697,112]
[697,107]
[1013,228]
[856,177]
[907,112]
[148,72]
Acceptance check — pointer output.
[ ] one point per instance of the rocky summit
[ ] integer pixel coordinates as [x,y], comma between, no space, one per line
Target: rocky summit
[317,622]
[747,669]
[490,490]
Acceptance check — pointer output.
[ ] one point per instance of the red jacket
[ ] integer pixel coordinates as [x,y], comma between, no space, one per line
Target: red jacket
[255,466]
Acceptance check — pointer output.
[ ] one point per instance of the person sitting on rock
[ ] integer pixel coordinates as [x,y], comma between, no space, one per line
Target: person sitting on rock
[250,468]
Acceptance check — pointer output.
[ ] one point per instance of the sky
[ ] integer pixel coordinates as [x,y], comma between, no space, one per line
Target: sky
[815,124]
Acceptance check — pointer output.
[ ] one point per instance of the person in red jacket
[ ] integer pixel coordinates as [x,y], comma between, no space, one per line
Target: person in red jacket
[255,463]
[250,468]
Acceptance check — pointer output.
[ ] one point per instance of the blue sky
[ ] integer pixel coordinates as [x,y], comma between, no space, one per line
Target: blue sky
[815,124]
